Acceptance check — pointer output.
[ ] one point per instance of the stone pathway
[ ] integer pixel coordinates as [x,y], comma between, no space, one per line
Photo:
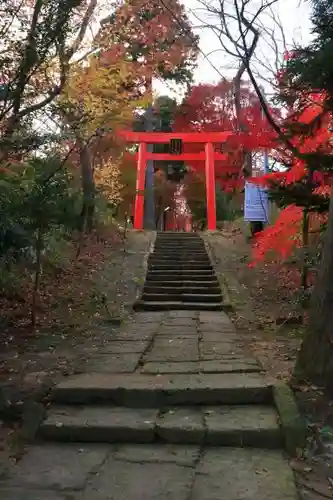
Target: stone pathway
[172,407]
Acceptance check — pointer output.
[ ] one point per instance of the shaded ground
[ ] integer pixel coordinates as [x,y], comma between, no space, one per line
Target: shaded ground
[80,306]
[266,312]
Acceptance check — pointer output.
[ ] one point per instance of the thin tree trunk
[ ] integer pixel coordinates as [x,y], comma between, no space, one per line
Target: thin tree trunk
[88,188]
[305,241]
[125,229]
[38,270]
[315,358]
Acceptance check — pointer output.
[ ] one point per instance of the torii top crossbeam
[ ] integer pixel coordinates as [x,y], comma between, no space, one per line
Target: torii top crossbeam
[165,137]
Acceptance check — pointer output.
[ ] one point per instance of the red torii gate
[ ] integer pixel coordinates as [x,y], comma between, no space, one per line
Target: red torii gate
[209,155]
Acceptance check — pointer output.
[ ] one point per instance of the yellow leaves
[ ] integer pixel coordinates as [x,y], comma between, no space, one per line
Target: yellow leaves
[107,180]
[105,93]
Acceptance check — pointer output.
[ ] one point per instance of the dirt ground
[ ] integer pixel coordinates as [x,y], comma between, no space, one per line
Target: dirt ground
[266,311]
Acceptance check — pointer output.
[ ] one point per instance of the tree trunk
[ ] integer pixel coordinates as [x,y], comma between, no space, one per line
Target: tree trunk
[315,358]
[305,241]
[38,271]
[88,188]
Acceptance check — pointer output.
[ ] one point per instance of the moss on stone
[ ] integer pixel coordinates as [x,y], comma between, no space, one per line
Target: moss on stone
[291,421]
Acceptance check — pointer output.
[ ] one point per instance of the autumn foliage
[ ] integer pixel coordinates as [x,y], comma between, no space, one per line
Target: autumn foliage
[210,108]
[68,81]
[304,185]
[300,183]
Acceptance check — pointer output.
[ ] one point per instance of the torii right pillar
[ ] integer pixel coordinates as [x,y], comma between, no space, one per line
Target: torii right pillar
[140,187]
[210,187]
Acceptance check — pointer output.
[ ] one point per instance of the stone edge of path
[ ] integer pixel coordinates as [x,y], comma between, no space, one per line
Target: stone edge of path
[238,295]
[292,423]
[150,249]
[227,303]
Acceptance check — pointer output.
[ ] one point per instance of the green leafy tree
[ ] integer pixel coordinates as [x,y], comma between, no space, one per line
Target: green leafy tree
[38,199]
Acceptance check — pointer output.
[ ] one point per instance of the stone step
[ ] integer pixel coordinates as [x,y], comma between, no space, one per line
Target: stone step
[142,305]
[173,258]
[239,364]
[244,426]
[184,240]
[180,234]
[180,251]
[172,243]
[182,297]
[184,243]
[177,238]
[180,248]
[179,263]
[213,289]
[177,276]
[179,255]
[150,391]
[183,266]
[179,244]
[185,272]
[211,283]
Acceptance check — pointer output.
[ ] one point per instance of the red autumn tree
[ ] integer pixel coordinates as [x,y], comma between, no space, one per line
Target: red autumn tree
[211,108]
[156,35]
[302,188]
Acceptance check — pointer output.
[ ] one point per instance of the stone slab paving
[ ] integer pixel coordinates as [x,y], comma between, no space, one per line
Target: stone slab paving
[151,365]
[242,474]
[148,472]
[174,342]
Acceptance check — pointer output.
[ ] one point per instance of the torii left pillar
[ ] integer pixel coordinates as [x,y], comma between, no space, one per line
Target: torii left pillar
[140,186]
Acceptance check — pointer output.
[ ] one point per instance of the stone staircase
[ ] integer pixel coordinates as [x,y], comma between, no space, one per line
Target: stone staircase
[180,276]
[194,383]
[205,409]
[170,406]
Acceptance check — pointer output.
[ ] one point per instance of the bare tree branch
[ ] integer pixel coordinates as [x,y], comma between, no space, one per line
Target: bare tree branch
[83,29]
[247,15]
